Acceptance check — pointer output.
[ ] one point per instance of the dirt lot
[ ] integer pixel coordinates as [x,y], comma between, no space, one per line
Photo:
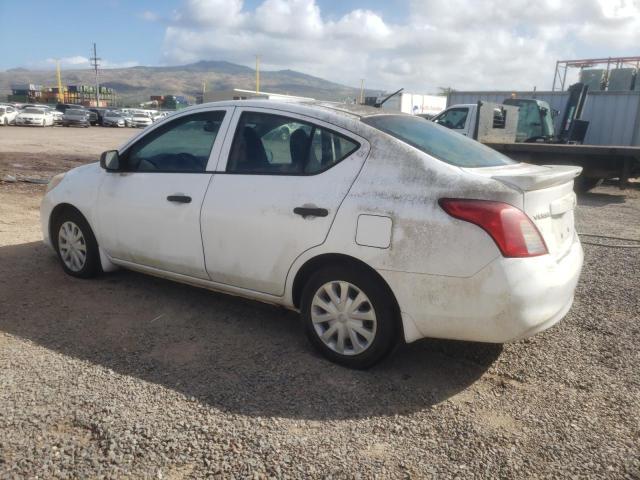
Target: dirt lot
[133,376]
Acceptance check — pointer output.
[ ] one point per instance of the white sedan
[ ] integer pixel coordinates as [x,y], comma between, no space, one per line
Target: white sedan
[141,120]
[376,227]
[40,117]
[8,114]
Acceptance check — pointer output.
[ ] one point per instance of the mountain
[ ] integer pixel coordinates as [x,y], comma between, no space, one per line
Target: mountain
[137,84]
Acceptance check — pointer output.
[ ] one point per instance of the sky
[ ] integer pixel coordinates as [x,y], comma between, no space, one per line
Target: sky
[420,45]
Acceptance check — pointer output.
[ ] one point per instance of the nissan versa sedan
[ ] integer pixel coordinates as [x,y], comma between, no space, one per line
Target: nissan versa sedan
[378,228]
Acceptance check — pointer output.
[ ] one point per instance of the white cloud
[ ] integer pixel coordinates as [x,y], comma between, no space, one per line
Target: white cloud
[150,16]
[125,64]
[80,62]
[489,44]
[289,18]
[210,13]
[75,61]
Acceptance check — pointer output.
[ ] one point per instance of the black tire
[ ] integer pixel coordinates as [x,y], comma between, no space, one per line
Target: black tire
[92,266]
[381,300]
[584,184]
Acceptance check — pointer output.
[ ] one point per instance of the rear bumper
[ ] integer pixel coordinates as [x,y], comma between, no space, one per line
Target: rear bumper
[509,299]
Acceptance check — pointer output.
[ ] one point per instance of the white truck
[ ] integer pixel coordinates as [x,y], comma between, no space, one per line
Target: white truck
[528,136]
[415,104]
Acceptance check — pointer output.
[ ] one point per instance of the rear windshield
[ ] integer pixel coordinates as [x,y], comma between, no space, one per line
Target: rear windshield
[437,141]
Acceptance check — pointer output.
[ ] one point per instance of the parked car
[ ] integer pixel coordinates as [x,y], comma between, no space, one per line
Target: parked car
[93,117]
[57,117]
[8,115]
[63,107]
[36,105]
[141,120]
[128,117]
[41,117]
[99,115]
[113,119]
[159,116]
[376,227]
[75,117]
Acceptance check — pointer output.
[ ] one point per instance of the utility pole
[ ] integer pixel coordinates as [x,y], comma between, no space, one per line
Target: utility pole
[257,73]
[362,91]
[59,79]
[95,63]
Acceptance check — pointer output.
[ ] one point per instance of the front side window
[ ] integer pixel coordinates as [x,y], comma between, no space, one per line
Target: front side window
[454,118]
[266,143]
[183,145]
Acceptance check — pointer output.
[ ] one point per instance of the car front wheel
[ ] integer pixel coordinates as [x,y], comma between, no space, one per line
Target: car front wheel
[76,245]
[349,316]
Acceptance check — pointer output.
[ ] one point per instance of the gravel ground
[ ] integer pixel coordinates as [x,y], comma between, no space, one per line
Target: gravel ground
[129,376]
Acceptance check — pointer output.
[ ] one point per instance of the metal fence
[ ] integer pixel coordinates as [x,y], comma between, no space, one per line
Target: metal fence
[614,117]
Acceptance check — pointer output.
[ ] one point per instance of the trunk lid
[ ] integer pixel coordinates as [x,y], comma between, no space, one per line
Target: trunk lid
[548,198]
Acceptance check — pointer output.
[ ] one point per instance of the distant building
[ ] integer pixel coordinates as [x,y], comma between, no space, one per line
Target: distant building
[240,94]
[167,102]
[76,94]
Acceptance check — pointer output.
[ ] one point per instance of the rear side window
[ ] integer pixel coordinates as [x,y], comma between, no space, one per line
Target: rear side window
[275,144]
[437,141]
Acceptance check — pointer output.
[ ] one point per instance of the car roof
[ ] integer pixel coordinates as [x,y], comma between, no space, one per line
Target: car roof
[329,110]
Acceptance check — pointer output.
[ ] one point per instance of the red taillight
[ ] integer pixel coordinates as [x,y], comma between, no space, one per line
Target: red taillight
[511,229]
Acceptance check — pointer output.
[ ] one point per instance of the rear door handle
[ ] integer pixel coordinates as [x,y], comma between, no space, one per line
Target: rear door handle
[179,198]
[311,211]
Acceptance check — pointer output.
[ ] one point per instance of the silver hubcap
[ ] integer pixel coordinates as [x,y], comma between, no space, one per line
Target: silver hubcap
[343,318]
[72,246]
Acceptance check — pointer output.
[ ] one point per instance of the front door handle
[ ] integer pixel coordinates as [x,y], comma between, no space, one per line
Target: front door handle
[179,198]
[311,211]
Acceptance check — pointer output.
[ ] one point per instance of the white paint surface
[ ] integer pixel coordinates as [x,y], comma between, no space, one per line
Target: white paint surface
[374,231]
[240,235]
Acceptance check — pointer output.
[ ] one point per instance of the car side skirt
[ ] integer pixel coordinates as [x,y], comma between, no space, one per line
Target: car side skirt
[207,284]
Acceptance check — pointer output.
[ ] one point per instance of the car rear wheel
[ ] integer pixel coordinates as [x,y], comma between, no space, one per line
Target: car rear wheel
[349,316]
[76,245]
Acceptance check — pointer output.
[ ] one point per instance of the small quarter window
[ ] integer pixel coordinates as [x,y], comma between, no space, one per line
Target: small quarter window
[266,143]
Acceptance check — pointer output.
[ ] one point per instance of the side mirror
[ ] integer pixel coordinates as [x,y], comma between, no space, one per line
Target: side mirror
[110,161]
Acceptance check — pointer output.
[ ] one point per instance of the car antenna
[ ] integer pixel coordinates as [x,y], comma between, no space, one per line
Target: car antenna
[379,104]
